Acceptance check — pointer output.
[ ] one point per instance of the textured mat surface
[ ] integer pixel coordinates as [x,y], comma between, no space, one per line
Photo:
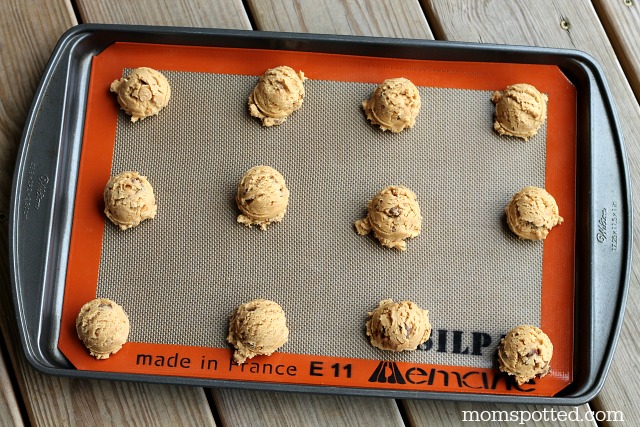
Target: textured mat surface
[180,275]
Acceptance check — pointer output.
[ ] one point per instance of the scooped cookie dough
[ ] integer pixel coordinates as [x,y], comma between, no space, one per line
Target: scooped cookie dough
[129,199]
[394,105]
[277,95]
[394,215]
[398,326]
[262,197]
[143,93]
[258,327]
[525,352]
[532,213]
[103,327]
[520,110]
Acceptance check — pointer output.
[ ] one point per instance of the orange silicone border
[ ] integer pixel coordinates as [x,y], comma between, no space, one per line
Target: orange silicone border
[94,171]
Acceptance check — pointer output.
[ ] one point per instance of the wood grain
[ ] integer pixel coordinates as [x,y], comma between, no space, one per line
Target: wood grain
[447,414]
[392,18]
[237,407]
[243,408]
[395,18]
[103,402]
[9,410]
[621,20]
[540,23]
[93,402]
[26,40]
[621,389]
[52,400]
[284,16]
[180,13]
[29,32]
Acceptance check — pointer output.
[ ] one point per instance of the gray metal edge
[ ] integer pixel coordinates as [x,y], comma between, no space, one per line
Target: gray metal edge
[288,41]
[59,54]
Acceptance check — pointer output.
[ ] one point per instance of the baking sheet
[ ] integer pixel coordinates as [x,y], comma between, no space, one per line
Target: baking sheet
[181,275]
[48,168]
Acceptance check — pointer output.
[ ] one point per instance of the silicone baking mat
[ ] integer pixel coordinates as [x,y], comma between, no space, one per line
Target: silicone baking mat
[180,276]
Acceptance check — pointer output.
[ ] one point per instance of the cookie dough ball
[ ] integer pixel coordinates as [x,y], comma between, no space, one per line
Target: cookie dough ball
[279,93]
[262,197]
[525,352]
[103,327]
[258,327]
[394,105]
[520,110]
[394,215]
[398,326]
[143,93]
[129,199]
[532,213]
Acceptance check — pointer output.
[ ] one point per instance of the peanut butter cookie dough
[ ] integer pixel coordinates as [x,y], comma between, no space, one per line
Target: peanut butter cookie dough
[277,95]
[525,352]
[394,215]
[398,326]
[262,197]
[103,327]
[129,199]
[532,213]
[258,327]
[394,105]
[520,110]
[143,93]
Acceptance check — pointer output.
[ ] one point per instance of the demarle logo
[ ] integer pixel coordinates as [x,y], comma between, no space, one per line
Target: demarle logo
[387,372]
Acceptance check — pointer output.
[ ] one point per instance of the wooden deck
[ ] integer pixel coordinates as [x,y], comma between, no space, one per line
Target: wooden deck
[608,30]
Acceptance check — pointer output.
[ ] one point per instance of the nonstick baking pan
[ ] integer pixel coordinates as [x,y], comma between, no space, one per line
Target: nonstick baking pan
[312,261]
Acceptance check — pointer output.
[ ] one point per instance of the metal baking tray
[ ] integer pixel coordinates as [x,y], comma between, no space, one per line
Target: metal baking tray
[46,175]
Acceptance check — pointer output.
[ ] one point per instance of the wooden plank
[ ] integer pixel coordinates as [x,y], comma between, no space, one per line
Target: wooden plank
[249,407]
[180,13]
[26,39]
[464,413]
[620,393]
[566,24]
[392,18]
[621,20]
[273,15]
[9,410]
[396,18]
[52,400]
[540,24]
[29,31]
[276,15]
[92,402]
[243,407]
